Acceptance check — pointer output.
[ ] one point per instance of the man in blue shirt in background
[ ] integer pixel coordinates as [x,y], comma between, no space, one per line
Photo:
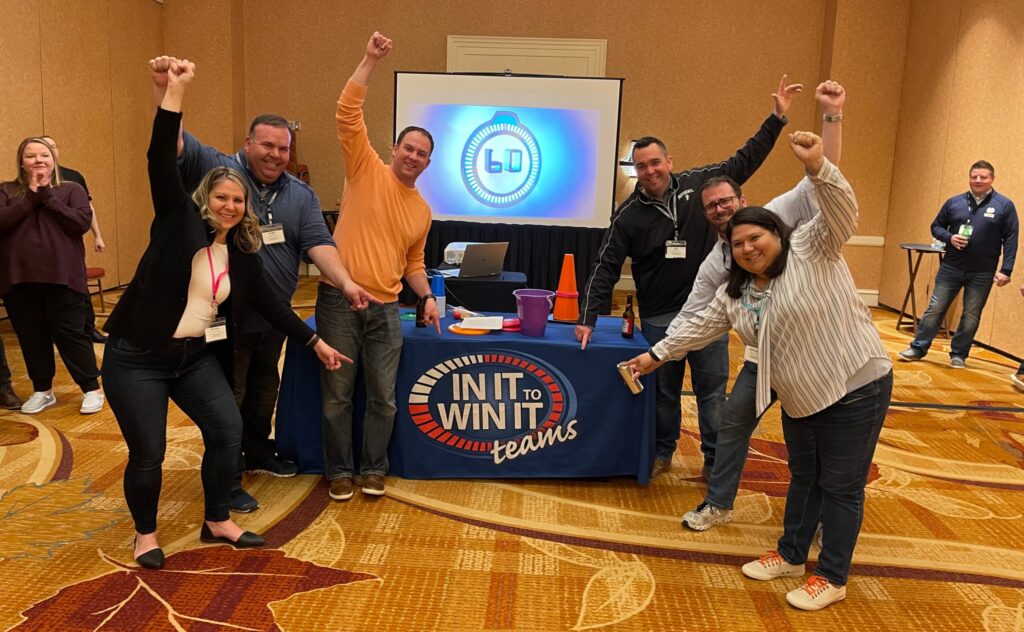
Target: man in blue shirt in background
[977,224]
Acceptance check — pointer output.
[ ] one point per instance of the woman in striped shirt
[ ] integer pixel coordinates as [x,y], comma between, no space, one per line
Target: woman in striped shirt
[791,294]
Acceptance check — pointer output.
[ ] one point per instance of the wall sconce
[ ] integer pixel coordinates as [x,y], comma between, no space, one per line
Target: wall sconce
[626,164]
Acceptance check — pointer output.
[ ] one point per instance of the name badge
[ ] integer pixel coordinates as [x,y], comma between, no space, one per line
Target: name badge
[218,330]
[273,233]
[675,249]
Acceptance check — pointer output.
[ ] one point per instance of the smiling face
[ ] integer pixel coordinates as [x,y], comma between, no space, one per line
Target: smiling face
[755,248]
[720,204]
[37,162]
[981,181]
[653,170]
[267,151]
[409,157]
[227,204]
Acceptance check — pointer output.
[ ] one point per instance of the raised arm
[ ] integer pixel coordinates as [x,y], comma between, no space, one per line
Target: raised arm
[165,181]
[827,232]
[747,159]
[158,67]
[831,97]
[352,134]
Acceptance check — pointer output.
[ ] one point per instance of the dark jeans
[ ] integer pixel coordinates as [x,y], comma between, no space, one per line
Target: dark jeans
[739,418]
[256,385]
[948,281]
[829,459]
[138,384]
[709,376]
[44,314]
[373,339]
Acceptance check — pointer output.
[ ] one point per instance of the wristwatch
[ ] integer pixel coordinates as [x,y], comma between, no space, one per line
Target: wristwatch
[651,353]
[426,296]
[832,118]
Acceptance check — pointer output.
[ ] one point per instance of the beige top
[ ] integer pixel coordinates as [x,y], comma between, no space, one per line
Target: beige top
[199,311]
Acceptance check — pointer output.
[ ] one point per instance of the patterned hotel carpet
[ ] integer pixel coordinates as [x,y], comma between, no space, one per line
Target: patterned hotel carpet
[942,546]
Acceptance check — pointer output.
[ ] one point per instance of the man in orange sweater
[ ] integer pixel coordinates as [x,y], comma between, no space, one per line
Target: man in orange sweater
[380,235]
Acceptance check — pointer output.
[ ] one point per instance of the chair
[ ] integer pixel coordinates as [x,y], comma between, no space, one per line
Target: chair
[95,276]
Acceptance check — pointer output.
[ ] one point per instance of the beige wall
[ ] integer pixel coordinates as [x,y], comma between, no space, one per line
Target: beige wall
[69,71]
[933,85]
[962,100]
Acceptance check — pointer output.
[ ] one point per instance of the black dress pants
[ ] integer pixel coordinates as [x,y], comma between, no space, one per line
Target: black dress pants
[44,314]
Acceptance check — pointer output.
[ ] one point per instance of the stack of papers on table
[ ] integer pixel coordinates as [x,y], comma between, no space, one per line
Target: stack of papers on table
[492,323]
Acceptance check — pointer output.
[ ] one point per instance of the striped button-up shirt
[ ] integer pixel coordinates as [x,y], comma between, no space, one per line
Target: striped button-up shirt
[815,338]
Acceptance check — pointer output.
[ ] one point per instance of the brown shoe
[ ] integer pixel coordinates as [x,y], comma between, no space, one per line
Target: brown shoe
[373,484]
[8,398]
[660,467]
[341,488]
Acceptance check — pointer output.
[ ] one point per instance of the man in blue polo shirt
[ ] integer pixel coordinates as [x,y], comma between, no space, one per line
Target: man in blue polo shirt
[977,225]
[293,228]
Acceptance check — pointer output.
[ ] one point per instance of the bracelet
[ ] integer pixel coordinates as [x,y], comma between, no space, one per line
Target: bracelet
[312,341]
[832,118]
[651,353]
[426,296]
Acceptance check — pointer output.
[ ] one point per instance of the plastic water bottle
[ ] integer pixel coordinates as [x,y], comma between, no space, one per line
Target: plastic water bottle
[437,289]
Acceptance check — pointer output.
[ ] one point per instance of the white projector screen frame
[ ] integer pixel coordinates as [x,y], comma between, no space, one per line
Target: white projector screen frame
[566,181]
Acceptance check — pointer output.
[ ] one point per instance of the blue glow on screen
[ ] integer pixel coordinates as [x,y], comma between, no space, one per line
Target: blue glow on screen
[510,161]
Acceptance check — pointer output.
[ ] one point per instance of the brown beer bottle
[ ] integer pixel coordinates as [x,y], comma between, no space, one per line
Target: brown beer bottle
[420,319]
[628,319]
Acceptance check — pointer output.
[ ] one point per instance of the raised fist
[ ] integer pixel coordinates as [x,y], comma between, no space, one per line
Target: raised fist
[378,47]
[830,96]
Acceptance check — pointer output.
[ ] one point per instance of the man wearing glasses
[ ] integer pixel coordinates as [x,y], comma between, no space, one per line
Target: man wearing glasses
[721,198]
[662,228]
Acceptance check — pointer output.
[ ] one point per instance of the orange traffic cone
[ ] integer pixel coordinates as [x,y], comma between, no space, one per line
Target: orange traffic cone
[567,305]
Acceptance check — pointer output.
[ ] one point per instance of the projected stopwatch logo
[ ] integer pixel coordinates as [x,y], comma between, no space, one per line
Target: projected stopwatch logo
[501,161]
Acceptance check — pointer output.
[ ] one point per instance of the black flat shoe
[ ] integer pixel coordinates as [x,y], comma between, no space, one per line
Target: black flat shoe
[152,559]
[247,540]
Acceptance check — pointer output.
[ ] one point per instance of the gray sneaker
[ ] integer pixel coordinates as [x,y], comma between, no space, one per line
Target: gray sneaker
[957,362]
[706,516]
[910,355]
[40,400]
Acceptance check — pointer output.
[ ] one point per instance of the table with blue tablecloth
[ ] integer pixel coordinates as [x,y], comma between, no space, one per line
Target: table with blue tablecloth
[500,405]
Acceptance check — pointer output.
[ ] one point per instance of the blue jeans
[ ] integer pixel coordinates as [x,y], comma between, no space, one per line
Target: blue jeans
[829,459]
[138,384]
[739,418]
[710,374]
[948,281]
[373,339]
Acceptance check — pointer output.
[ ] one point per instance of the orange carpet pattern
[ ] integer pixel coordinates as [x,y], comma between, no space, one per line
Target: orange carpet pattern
[942,547]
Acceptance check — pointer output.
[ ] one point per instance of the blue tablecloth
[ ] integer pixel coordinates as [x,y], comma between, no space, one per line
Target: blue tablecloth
[501,405]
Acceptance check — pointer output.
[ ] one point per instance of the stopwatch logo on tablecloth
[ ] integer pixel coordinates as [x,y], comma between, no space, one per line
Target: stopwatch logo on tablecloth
[500,405]
[501,161]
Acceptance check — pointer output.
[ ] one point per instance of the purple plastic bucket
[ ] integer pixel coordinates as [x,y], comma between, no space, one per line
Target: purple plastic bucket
[533,307]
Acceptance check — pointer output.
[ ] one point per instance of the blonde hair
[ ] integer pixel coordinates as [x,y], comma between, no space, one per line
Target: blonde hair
[247,233]
[22,181]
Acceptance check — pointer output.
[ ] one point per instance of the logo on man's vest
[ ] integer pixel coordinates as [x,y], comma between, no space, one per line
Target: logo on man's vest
[501,161]
[499,405]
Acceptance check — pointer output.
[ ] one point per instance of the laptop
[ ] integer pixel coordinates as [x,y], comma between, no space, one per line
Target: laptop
[480,260]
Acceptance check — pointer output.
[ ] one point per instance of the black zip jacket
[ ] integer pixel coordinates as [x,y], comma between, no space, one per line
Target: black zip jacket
[639,230]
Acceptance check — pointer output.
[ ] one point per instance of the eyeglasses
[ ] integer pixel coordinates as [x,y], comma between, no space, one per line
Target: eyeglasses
[725,203]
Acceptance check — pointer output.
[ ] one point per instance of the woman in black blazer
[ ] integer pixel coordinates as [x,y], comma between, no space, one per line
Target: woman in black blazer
[197,280]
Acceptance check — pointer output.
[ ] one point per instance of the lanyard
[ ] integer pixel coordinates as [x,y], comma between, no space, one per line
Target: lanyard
[270,213]
[215,279]
[755,306]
